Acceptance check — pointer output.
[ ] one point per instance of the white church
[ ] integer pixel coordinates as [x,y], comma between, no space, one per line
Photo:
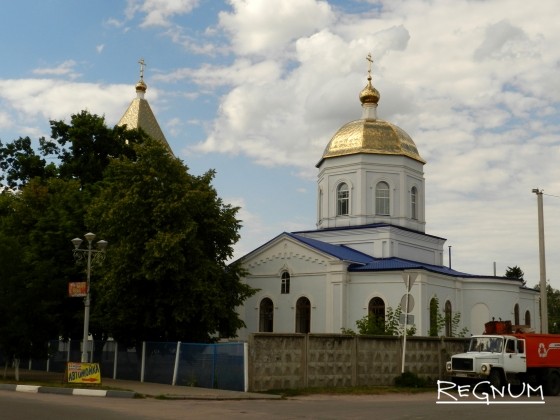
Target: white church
[369,244]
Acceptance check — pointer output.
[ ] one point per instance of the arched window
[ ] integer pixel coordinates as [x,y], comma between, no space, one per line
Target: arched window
[303,315]
[376,308]
[382,199]
[285,287]
[342,200]
[448,320]
[414,203]
[528,318]
[434,307]
[266,315]
[516,314]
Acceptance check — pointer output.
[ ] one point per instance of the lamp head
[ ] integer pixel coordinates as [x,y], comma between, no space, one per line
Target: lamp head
[77,242]
[102,245]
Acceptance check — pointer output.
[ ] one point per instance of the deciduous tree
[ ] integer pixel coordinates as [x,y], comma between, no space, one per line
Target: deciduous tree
[166,274]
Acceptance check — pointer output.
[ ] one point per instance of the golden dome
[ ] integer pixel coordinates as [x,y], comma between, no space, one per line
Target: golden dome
[141,86]
[369,94]
[371,136]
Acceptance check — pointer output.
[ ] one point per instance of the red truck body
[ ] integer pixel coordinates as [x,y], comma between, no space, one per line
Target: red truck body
[542,350]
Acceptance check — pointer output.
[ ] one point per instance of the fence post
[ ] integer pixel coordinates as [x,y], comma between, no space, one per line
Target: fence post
[115,360]
[143,361]
[213,364]
[176,367]
[246,367]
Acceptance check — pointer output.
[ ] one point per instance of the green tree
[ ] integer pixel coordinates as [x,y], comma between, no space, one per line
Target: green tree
[34,231]
[166,276]
[81,149]
[439,319]
[20,164]
[553,306]
[515,272]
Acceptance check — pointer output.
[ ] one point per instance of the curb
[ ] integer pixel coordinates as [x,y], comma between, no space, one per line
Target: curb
[34,389]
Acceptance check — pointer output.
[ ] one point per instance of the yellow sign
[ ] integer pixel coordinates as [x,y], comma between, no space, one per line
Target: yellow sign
[83,373]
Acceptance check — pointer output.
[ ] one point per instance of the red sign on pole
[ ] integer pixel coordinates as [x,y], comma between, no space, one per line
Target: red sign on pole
[77,289]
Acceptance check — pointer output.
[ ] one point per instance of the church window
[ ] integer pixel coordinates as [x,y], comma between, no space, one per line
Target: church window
[382,199]
[285,287]
[516,314]
[528,318]
[342,200]
[266,315]
[414,203]
[448,319]
[303,315]
[376,309]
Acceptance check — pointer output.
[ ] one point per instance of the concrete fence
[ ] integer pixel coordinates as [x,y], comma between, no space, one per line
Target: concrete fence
[281,361]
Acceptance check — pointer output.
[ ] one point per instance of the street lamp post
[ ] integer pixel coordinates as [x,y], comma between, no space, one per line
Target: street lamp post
[542,263]
[90,255]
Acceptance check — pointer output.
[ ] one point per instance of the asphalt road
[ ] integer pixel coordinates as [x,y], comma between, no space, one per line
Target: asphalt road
[22,406]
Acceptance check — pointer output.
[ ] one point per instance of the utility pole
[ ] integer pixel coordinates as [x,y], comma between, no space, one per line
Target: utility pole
[542,283]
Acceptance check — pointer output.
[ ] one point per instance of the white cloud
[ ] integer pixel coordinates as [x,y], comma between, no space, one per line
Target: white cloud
[65,68]
[159,12]
[267,27]
[36,101]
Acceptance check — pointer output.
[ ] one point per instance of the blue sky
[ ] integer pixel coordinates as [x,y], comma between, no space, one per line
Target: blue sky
[256,88]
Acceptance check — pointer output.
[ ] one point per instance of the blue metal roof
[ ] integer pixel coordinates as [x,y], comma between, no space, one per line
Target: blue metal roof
[341,252]
[394,263]
[362,262]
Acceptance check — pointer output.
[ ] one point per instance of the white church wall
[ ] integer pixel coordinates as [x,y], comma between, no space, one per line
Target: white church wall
[363,287]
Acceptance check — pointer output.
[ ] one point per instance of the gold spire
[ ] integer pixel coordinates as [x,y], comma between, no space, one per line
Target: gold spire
[139,113]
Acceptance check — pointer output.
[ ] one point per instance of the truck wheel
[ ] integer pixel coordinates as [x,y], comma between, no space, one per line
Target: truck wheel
[495,378]
[552,384]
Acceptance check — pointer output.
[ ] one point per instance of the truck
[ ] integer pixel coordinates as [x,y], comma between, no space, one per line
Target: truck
[505,355]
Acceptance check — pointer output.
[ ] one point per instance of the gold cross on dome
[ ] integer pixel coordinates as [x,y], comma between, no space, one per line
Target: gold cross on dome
[368,58]
[142,64]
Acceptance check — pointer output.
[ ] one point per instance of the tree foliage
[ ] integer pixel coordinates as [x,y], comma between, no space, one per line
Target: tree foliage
[553,306]
[439,319]
[515,272]
[166,274]
[34,230]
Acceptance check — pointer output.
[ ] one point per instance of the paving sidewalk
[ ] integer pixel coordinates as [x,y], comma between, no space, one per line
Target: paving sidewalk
[127,389]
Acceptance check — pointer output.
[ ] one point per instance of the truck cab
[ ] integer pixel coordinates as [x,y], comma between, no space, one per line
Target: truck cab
[493,358]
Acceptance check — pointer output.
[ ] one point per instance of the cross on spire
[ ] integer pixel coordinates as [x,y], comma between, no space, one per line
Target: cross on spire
[142,64]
